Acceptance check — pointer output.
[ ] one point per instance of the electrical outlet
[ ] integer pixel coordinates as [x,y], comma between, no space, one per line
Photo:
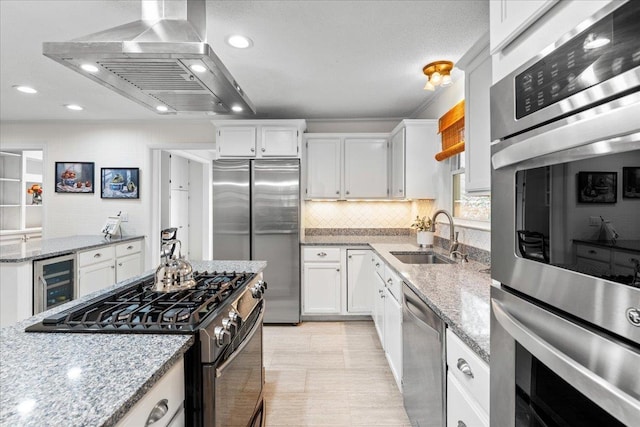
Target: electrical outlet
[124,216]
[594,221]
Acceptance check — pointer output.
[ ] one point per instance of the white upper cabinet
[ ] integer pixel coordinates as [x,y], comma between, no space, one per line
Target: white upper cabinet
[509,18]
[365,168]
[179,172]
[259,138]
[236,141]
[477,69]
[279,141]
[323,168]
[413,146]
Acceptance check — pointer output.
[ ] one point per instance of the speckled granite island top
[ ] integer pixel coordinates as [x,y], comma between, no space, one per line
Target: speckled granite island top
[88,379]
[47,248]
[458,293]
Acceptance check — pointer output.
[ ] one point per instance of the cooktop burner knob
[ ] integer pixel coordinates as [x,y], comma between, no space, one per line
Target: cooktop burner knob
[256,291]
[230,325]
[235,316]
[223,337]
[263,285]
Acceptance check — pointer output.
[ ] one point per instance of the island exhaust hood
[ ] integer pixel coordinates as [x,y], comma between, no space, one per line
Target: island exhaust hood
[159,61]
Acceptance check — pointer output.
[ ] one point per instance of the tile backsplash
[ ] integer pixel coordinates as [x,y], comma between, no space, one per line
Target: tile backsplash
[366,214]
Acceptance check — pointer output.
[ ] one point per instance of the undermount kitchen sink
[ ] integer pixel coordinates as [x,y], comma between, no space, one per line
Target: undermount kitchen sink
[421,258]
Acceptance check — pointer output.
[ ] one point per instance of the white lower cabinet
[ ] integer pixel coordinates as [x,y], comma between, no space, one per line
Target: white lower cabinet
[378,307]
[359,281]
[162,405]
[393,335]
[96,276]
[321,288]
[467,385]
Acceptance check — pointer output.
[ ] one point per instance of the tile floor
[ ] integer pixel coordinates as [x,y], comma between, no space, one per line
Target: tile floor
[329,374]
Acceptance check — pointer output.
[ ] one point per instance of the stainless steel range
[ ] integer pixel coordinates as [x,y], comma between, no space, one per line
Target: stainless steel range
[224,312]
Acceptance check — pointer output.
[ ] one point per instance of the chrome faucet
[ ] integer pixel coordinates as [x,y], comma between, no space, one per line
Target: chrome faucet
[453,238]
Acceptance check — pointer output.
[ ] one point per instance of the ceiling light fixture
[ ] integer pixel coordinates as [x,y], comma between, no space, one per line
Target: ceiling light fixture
[239,42]
[162,108]
[74,107]
[438,74]
[89,68]
[25,89]
[198,68]
[236,108]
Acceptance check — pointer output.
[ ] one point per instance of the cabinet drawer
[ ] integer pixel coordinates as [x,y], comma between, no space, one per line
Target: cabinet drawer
[461,358]
[393,283]
[378,265]
[169,388]
[95,255]
[625,259]
[592,252]
[462,411]
[322,254]
[128,248]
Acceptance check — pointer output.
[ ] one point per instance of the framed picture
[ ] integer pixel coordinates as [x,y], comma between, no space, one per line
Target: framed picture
[120,183]
[631,182]
[75,177]
[597,187]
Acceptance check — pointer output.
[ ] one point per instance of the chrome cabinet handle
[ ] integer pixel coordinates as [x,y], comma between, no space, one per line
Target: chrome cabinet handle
[633,260]
[113,266]
[380,291]
[322,254]
[464,367]
[158,411]
[389,280]
[129,247]
[253,150]
[377,264]
[98,255]
[337,269]
[263,149]
[348,192]
[461,423]
[591,251]
[120,264]
[338,192]
[400,190]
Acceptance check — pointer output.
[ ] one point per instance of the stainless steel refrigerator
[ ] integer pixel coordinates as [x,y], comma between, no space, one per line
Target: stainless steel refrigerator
[256,216]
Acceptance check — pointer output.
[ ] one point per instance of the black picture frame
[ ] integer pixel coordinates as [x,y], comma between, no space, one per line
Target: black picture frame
[597,187]
[120,183]
[631,182]
[75,177]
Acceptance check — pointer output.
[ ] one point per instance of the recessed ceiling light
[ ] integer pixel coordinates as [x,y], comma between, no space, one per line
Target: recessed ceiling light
[240,42]
[162,108]
[74,107]
[25,89]
[198,68]
[236,108]
[89,68]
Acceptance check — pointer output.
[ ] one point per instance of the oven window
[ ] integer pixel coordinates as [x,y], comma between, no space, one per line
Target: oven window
[543,399]
[582,216]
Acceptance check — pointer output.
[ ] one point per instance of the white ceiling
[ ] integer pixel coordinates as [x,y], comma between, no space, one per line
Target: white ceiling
[310,59]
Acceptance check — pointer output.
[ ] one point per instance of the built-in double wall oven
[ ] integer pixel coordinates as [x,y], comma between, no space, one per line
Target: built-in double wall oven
[565,306]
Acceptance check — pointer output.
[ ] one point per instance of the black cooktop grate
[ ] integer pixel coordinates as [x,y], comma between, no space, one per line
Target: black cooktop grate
[137,308]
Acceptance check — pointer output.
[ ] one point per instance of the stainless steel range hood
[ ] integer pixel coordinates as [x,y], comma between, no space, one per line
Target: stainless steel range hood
[159,61]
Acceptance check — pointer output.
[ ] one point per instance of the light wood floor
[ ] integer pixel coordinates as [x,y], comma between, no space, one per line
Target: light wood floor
[329,374]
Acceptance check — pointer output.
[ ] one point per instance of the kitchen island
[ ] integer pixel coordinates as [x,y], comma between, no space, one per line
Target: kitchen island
[86,379]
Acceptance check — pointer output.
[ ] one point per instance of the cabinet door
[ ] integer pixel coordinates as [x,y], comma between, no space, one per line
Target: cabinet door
[397,165]
[236,141]
[128,266]
[179,218]
[477,132]
[378,307]
[393,335]
[323,168]
[624,263]
[365,169]
[279,142]
[461,409]
[359,281]
[96,277]
[509,18]
[322,288]
[179,173]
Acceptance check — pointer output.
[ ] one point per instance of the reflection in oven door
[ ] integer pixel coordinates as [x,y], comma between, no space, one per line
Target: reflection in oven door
[236,384]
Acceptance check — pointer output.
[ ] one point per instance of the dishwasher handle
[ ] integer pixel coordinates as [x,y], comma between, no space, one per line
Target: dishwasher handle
[421,312]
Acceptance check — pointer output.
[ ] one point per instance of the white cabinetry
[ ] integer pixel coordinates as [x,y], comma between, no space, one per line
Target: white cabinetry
[346,166]
[259,138]
[365,168]
[165,399]
[476,64]
[412,165]
[107,265]
[605,260]
[322,281]
[467,385]
[16,292]
[179,172]
[359,281]
[323,167]
[509,18]
[379,296]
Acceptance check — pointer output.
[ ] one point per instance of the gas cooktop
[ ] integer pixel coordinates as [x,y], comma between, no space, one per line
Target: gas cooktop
[138,309]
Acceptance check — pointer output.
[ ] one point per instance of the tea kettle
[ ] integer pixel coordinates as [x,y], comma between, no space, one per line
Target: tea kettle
[175,273]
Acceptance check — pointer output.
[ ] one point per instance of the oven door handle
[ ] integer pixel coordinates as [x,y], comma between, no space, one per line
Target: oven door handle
[623,403]
[220,369]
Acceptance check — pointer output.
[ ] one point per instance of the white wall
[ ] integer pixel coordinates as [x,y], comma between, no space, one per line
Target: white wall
[107,144]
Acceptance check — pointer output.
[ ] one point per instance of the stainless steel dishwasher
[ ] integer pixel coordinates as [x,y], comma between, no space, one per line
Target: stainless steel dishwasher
[423,362]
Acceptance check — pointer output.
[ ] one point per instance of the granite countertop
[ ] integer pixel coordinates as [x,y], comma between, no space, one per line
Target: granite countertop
[629,245]
[90,379]
[47,248]
[458,293]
